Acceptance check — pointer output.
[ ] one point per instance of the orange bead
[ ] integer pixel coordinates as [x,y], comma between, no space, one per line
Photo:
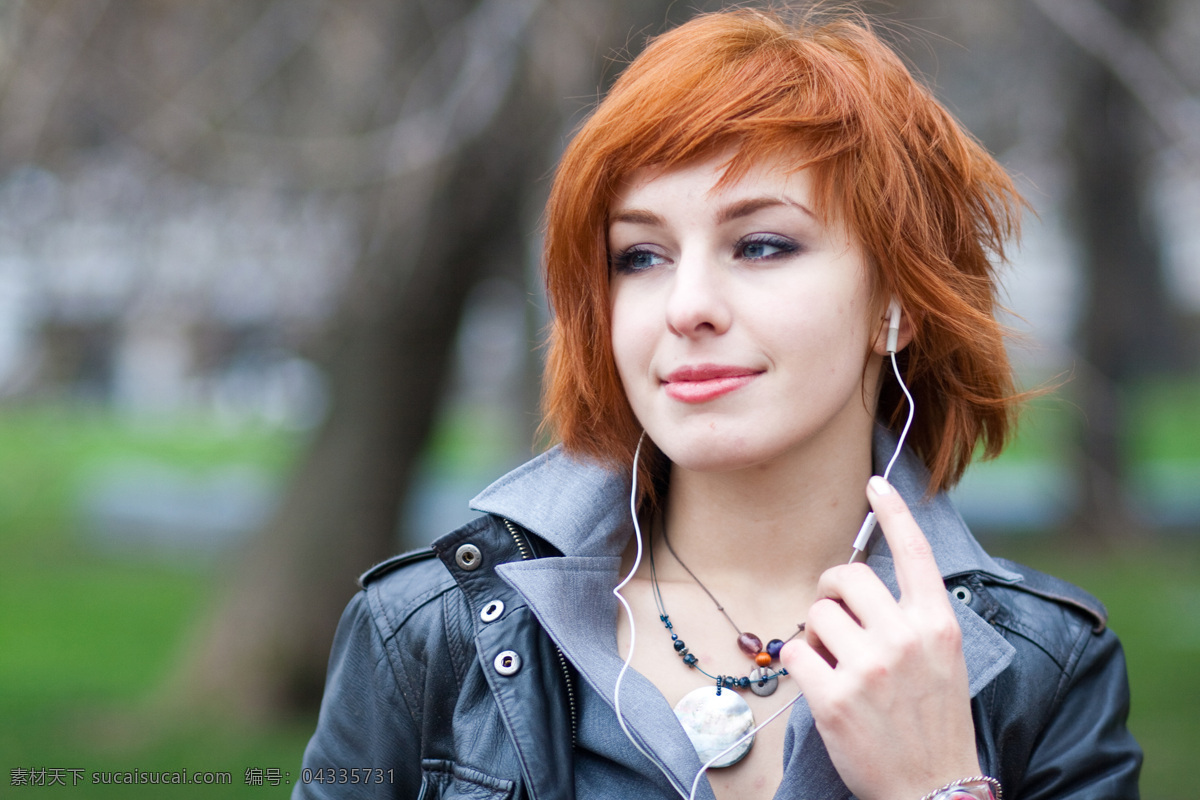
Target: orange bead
[763,659]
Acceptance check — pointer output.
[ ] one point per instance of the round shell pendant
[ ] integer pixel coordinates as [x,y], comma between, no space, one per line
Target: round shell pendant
[714,722]
[761,687]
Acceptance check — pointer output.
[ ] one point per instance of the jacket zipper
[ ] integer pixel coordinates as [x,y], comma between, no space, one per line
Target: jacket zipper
[526,554]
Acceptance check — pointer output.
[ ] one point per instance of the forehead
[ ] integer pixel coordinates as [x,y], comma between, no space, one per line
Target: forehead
[730,185]
[718,178]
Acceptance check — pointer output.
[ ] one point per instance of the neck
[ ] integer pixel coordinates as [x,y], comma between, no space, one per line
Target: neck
[787,520]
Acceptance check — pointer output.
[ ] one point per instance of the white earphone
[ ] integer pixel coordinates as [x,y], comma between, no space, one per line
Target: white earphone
[859,551]
[893,324]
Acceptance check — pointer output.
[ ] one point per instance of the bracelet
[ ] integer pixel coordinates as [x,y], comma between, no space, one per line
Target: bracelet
[981,787]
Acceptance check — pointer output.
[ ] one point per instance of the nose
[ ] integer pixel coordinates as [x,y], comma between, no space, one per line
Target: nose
[698,304]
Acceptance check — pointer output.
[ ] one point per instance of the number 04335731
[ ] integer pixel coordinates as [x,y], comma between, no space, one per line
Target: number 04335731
[347,775]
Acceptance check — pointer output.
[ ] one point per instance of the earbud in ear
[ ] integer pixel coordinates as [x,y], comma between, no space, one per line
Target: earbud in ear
[893,336]
[868,527]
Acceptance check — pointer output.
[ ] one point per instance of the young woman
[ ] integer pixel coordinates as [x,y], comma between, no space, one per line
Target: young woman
[762,241]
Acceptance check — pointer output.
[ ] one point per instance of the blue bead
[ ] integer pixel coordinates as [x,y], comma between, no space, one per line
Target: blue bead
[679,645]
[744,682]
[690,660]
[773,647]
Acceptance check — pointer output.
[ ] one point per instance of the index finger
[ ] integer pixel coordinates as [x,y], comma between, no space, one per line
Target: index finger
[917,571]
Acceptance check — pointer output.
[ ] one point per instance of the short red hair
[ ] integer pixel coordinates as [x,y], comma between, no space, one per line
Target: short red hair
[930,206]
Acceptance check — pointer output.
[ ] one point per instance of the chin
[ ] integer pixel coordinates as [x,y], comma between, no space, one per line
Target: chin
[716,456]
[764,444]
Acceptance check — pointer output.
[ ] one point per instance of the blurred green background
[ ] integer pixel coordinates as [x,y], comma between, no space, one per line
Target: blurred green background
[270,312]
[88,633]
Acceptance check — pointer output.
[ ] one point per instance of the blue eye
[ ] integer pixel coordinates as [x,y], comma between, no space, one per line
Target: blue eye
[761,247]
[636,260]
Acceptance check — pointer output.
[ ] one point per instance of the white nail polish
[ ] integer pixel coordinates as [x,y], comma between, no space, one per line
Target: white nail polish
[879,485]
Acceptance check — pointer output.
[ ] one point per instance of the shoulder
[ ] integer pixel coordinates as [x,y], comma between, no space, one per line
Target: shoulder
[1052,724]
[412,616]
[402,586]
[1064,654]
[408,580]
[1056,617]
[1038,586]
[417,589]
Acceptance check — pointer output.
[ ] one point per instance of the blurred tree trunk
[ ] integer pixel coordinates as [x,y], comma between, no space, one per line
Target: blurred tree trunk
[431,238]
[267,647]
[428,238]
[1128,329]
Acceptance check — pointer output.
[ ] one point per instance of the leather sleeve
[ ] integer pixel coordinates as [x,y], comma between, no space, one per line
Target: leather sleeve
[1085,749]
[364,723]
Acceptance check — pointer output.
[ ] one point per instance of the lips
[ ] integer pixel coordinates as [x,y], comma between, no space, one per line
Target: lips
[701,383]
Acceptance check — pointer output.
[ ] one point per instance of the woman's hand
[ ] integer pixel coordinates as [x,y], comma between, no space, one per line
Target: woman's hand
[886,680]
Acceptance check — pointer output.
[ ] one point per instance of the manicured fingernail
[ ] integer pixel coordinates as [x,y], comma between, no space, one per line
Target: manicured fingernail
[879,485]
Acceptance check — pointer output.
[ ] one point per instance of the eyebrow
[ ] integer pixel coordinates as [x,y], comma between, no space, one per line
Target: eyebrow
[742,208]
[636,216]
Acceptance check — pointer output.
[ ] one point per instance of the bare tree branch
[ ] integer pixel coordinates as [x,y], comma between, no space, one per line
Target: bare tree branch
[1148,78]
[254,58]
[35,88]
[469,91]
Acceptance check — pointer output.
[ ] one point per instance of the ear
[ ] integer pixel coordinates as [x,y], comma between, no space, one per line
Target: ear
[903,334]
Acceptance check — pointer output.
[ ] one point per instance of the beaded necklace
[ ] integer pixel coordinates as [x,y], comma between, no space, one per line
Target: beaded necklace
[761,680]
[720,726]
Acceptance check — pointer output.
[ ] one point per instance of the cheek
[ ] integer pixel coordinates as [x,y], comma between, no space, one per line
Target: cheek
[829,341]
[631,334]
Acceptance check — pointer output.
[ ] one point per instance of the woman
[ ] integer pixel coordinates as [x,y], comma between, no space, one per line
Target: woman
[755,236]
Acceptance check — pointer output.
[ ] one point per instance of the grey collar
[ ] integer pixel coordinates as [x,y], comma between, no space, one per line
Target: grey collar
[582,508]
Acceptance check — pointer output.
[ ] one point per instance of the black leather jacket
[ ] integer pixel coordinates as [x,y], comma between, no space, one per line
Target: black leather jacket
[420,700]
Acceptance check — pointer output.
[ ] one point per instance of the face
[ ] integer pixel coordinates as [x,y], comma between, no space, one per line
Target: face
[740,320]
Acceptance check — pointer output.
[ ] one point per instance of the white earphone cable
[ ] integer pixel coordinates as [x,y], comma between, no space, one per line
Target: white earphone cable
[637,535]
[859,551]
[629,658]
[908,424]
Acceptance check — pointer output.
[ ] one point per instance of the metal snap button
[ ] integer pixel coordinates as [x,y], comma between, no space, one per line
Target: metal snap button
[962,594]
[507,663]
[468,557]
[492,611]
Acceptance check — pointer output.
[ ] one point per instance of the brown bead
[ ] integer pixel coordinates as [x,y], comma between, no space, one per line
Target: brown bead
[750,644]
[763,659]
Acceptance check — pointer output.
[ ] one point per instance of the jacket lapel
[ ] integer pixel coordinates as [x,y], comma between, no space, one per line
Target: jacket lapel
[531,697]
[572,599]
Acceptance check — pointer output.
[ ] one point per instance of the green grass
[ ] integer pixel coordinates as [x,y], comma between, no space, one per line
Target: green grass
[47,453]
[121,620]
[1166,420]
[86,637]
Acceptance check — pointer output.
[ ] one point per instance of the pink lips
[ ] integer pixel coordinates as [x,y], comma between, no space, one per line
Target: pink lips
[704,382]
